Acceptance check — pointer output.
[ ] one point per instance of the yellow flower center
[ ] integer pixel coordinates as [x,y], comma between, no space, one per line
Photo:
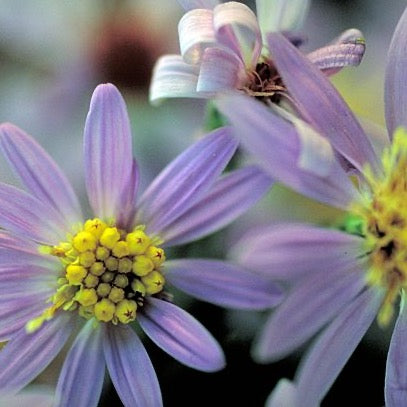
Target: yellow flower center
[107,273]
[384,216]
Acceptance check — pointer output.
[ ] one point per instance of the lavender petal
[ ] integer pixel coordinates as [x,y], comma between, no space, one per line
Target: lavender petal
[283,395]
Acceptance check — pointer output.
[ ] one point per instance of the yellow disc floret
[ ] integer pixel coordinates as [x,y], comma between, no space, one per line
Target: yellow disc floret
[107,273]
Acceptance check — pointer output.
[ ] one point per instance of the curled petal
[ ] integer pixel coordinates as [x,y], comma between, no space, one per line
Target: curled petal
[237,28]
[181,335]
[173,78]
[39,173]
[130,368]
[226,200]
[223,283]
[109,168]
[196,33]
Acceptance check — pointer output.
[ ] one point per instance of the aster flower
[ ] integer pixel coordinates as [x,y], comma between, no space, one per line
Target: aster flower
[342,279]
[223,49]
[60,274]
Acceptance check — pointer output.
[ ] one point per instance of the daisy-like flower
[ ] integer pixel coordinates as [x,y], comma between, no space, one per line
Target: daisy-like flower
[223,48]
[61,274]
[342,279]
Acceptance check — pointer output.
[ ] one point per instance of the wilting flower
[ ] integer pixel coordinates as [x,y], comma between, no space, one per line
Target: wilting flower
[346,277]
[224,47]
[59,273]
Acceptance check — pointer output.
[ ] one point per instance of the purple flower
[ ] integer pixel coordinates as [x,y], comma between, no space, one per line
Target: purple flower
[341,279]
[60,274]
[223,48]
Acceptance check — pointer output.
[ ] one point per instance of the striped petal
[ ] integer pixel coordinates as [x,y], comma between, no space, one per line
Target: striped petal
[298,157]
[181,336]
[395,98]
[130,368]
[196,33]
[109,168]
[39,173]
[27,355]
[321,104]
[236,27]
[309,306]
[331,351]
[396,367]
[223,284]
[174,78]
[81,378]
[227,200]
[185,180]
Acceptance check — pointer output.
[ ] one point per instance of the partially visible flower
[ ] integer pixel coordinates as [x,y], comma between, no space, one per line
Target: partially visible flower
[60,272]
[224,47]
[341,278]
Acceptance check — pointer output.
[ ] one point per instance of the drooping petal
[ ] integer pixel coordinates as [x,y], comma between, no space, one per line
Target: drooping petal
[196,33]
[220,71]
[223,283]
[283,395]
[181,335]
[26,355]
[321,104]
[39,173]
[230,196]
[396,366]
[81,378]
[331,351]
[281,15]
[109,169]
[309,306]
[174,78]
[185,179]
[236,27]
[130,368]
[191,4]
[395,98]
[301,159]
[24,215]
[290,250]
[347,50]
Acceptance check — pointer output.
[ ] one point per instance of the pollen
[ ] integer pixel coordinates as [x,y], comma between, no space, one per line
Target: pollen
[384,215]
[106,273]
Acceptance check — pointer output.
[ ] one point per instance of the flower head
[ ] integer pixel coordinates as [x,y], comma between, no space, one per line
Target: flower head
[344,278]
[60,272]
[224,47]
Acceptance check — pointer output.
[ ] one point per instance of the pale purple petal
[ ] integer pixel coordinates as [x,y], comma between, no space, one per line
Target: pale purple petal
[27,355]
[347,50]
[109,166]
[236,27]
[281,15]
[220,71]
[283,395]
[81,378]
[25,215]
[230,196]
[181,335]
[395,98]
[289,250]
[185,180]
[309,306]
[223,283]
[302,160]
[321,104]
[196,33]
[174,78]
[396,366]
[39,173]
[130,368]
[325,360]
[191,4]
